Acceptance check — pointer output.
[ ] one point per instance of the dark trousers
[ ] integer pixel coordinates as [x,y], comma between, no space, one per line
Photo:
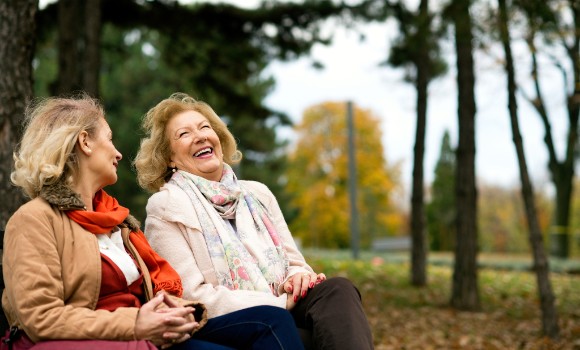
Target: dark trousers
[333,313]
[259,328]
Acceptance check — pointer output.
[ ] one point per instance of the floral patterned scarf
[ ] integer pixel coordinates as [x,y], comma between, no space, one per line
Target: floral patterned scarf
[243,244]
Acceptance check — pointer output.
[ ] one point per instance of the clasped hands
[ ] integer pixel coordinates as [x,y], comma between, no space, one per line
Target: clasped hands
[298,285]
[164,326]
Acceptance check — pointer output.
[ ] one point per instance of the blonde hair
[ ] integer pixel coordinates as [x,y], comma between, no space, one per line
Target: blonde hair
[46,152]
[152,160]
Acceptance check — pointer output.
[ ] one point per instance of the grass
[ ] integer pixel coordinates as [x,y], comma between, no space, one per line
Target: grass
[406,317]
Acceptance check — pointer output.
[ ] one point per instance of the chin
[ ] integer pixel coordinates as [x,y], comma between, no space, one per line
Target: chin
[111,181]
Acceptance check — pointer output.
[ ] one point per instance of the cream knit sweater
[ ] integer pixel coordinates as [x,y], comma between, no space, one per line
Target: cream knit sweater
[174,232]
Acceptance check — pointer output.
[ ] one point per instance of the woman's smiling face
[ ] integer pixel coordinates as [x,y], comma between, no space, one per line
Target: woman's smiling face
[195,147]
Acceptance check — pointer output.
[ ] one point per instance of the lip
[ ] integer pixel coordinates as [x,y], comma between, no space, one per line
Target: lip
[202,148]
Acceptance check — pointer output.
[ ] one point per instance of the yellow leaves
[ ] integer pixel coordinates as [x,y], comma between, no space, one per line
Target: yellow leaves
[318,178]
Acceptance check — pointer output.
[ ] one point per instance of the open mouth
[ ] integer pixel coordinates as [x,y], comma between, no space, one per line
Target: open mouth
[204,152]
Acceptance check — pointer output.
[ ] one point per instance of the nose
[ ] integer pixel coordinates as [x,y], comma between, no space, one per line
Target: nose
[118,156]
[200,137]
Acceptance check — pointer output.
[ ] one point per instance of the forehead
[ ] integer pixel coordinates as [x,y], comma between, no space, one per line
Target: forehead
[103,126]
[186,118]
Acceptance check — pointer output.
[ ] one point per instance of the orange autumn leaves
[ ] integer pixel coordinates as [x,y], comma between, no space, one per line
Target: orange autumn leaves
[318,178]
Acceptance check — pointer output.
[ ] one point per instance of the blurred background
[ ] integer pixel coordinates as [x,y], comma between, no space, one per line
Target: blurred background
[350,112]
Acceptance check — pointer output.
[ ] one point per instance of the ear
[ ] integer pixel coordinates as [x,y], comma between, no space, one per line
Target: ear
[84,143]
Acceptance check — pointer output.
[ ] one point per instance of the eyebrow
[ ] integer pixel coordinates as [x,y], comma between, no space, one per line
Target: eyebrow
[188,126]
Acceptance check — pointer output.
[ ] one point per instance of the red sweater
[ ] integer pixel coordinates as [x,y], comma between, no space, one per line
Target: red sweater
[114,290]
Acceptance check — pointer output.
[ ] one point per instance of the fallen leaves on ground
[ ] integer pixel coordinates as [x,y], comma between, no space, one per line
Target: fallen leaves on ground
[407,317]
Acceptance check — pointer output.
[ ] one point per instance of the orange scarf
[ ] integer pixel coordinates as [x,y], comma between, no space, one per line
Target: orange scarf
[107,215]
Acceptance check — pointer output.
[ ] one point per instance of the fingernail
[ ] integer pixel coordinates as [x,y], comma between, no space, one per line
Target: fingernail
[311,284]
[295,298]
[303,294]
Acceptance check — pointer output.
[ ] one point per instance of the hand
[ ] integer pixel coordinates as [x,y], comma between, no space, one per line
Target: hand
[165,326]
[290,302]
[299,284]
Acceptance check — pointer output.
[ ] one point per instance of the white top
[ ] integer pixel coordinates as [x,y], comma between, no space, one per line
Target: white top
[114,249]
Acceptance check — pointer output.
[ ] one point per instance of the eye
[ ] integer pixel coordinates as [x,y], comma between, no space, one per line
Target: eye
[183,133]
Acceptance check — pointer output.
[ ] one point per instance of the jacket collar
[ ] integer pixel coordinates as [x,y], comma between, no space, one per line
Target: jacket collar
[64,198]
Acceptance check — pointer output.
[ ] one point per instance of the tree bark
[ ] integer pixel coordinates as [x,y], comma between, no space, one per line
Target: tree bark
[418,237]
[17,40]
[69,53]
[547,299]
[79,32]
[92,52]
[465,291]
[17,44]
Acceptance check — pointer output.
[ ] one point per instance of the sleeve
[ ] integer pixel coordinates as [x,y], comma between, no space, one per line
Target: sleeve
[35,294]
[185,249]
[297,263]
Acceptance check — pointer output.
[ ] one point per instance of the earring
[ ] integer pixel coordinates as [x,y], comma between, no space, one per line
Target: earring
[173,169]
[90,151]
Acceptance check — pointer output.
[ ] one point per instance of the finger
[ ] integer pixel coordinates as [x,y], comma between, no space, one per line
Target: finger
[320,277]
[296,287]
[305,285]
[179,323]
[172,336]
[170,302]
[153,303]
[288,287]
[180,312]
[184,328]
[183,338]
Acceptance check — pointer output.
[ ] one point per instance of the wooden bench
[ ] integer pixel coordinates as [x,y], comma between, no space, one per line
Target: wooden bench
[398,243]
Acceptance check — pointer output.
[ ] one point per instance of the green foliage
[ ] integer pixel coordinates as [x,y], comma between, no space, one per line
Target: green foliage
[417,35]
[440,211]
[318,177]
[214,52]
[501,221]
[501,217]
[575,222]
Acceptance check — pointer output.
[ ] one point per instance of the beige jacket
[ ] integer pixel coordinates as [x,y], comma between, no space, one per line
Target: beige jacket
[52,272]
[174,231]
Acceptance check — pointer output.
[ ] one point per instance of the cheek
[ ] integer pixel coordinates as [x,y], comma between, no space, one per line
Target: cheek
[176,148]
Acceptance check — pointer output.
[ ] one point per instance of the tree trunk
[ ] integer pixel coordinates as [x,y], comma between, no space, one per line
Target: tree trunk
[562,172]
[465,291]
[419,246]
[92,57]
[79,32]
[17,40]
[547,299]
[69,56]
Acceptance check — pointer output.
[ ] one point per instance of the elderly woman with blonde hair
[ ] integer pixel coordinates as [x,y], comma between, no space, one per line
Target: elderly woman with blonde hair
[227,237]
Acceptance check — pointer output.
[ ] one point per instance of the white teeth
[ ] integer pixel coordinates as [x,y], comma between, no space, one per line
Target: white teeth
[202,151]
